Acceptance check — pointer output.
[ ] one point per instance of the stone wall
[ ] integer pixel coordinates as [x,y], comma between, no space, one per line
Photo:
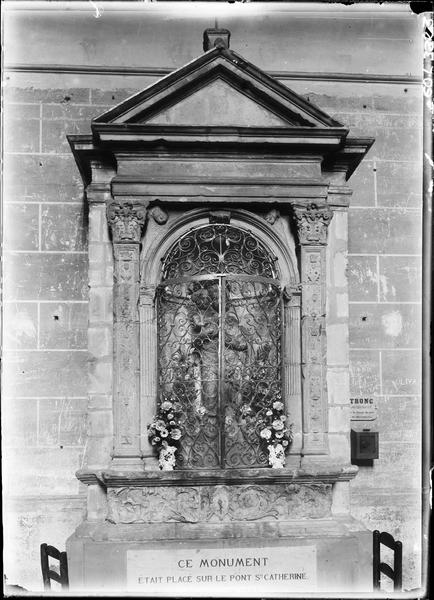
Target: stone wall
[46,268]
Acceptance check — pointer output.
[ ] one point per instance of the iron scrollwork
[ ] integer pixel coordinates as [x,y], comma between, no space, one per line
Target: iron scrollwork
[219,319]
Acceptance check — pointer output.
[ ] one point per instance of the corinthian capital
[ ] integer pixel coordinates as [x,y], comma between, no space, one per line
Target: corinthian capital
[312,222]
[126,221]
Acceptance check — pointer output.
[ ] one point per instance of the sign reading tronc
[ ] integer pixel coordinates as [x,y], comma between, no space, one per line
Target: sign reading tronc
[226,570]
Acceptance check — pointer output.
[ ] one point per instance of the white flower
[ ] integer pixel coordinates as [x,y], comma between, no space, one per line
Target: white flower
[164,433]
[201,411]
[265,433]
[269,412]
[279,434]
[278,405]
[166,405]
[170,416]
[175,434]
[282,418]
[277,425]
[285,443]
[160,425]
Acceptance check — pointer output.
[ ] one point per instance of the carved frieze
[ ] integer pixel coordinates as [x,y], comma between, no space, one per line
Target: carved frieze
[312,221]
[222,503]
[126,221]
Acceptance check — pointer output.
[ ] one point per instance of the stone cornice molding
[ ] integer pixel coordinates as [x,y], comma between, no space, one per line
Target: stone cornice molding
[113,478]
[312,221]
[126,221]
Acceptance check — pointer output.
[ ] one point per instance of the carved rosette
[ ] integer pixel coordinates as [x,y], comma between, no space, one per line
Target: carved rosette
[220,503]
[312,221]
[126,221]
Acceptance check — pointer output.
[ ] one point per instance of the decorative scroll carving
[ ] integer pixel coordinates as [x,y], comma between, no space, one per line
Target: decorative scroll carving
[279,502]
[159,215]
[312,222]
[126,221]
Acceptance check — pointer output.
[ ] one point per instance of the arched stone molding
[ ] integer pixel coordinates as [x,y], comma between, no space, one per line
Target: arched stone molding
[281,244]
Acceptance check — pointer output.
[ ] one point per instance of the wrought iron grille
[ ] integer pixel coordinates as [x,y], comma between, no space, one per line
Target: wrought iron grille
[219,345]
[218,249]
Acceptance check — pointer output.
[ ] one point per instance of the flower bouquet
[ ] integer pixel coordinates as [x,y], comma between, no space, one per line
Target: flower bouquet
[277,437]
[165,433]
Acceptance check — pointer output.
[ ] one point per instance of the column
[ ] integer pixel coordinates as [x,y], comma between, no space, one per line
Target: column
[126,221]
[312,221]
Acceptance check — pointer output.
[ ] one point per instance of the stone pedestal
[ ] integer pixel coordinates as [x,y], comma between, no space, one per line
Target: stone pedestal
[286,530]
[100,555]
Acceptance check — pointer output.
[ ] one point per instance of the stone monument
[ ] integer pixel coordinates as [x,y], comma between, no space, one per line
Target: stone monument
[218,457]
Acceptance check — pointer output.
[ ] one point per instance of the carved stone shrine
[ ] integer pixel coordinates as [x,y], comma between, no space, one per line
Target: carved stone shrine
[219,415]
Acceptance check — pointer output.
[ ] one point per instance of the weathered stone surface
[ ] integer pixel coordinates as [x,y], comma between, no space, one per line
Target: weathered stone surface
[218,503]
[63,325]
[362,183]
[100,341]
[20,423]
[362,278]
[101,304]
[385,326]
[395,458]
[100,422]
[399,184]
[100,376]
[401,372]
[21,226]
[364,372]
[47,94]
[338,385]
[45,373]
[338,419]
[339,444]
[63,227]
[398,418]
[30,276]
[62,422]
[20,325]
[22,135]
[31,521]
[42,178]
[385,231]
[56,477]
[400,278]
[111,97]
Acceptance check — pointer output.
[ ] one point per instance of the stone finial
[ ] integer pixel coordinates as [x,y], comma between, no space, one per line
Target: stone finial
[216,38]
[126,221]
[312,222]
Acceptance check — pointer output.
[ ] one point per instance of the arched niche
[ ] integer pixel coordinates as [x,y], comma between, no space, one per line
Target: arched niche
[279,243]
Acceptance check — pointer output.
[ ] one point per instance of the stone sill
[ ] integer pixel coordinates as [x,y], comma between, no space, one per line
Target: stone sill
[319,474]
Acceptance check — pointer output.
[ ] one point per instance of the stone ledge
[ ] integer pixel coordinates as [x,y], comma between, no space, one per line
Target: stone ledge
[317,474]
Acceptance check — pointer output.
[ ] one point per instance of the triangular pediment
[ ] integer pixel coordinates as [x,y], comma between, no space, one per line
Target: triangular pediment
[219,104]
[218,89]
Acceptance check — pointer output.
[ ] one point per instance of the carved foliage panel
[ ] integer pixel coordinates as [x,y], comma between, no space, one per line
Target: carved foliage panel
[279,502]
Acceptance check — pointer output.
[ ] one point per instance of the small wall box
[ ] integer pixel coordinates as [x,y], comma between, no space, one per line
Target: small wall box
[364,445]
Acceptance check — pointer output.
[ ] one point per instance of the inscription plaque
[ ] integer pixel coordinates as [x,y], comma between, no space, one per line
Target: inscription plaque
[363,409]
[242,571]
